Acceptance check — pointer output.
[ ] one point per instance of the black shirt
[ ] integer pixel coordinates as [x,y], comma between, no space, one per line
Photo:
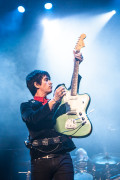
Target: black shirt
[40,124]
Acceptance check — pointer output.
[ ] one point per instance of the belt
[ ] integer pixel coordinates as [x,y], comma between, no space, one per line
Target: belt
[47,156]
[48,141]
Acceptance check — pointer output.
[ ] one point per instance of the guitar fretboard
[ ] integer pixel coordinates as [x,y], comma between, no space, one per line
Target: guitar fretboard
[75,78]
[74,83]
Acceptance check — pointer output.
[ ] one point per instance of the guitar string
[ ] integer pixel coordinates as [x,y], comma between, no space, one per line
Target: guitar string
[78,129]
[83,122]
[75,129]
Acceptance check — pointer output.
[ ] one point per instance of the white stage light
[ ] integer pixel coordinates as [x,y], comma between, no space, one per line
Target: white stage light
[21,9]
[107,16]
[113,12]
[48,6]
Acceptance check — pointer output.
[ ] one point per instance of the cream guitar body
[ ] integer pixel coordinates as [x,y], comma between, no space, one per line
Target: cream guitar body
[71,115]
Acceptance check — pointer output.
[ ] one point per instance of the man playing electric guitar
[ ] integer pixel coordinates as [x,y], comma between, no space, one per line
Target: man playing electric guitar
[49,149]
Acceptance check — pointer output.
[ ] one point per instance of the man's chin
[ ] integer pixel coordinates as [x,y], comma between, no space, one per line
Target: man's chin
[49,91]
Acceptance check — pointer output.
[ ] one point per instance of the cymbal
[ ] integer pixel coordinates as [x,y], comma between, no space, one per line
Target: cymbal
[105,159]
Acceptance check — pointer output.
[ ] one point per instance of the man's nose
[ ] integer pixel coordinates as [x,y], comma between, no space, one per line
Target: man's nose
[50,82]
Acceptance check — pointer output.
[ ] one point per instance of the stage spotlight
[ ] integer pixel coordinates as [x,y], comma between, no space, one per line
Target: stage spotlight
[108,16]
[113,12]
[48,6]
[21,9]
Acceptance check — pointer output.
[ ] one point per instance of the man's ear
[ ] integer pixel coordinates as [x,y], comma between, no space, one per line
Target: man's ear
[36,85]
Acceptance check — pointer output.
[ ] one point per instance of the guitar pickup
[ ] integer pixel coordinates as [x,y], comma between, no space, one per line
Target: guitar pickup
[71,113]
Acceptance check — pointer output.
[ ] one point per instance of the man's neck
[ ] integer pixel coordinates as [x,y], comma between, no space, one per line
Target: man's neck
[40,94]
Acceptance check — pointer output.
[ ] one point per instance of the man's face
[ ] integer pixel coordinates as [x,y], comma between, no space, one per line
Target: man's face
[46,85]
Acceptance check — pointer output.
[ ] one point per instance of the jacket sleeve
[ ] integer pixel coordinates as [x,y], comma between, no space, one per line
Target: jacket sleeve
[34,116]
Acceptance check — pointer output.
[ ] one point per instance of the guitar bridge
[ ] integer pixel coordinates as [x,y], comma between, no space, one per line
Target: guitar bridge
[71,124]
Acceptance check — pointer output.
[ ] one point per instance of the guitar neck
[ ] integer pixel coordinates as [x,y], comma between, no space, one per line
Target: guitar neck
[74,84]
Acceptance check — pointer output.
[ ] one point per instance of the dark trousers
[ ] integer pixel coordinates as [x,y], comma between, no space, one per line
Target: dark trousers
[57,168]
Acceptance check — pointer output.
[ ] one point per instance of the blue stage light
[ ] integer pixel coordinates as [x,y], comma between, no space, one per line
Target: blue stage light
[48,6]
[21,9]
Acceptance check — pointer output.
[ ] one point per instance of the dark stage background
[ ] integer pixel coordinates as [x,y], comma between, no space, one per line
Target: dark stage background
[24,47]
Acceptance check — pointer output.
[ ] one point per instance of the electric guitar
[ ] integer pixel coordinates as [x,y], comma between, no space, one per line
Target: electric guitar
[71,115]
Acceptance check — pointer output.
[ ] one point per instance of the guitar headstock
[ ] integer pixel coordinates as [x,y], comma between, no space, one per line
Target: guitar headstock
[80,43]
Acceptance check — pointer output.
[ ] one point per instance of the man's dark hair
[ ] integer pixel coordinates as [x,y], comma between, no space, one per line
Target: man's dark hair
[35,76]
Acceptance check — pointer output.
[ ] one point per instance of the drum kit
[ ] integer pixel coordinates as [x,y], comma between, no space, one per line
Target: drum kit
[99,167]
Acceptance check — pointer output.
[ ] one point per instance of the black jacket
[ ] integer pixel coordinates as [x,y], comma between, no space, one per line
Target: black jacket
[40,124]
